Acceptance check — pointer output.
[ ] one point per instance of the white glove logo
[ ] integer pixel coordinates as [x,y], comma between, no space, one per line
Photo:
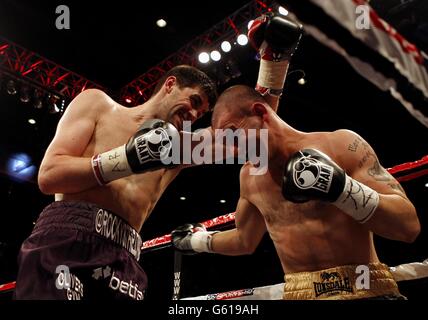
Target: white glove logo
[310,173]
[158,143]
[154,145]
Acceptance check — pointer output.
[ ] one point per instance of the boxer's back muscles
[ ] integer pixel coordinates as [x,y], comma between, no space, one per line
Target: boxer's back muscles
[92,124]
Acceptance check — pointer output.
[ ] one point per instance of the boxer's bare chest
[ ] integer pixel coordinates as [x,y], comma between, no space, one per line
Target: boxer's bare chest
[132,197]
[265,191]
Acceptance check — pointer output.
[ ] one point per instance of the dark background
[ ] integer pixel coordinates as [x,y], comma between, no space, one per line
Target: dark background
[113,43]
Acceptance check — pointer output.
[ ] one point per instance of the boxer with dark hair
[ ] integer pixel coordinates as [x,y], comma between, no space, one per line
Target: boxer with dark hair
[105,166]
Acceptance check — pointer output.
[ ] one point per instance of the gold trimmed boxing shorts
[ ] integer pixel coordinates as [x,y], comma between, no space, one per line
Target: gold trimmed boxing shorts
[341,283]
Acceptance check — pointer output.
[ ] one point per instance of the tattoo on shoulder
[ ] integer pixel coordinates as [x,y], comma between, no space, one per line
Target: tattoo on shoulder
[354,145]
[378,172]
[396,186]
[367,155]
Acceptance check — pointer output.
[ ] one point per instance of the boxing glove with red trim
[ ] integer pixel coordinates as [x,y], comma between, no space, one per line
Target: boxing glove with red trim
[276,39]
[150,148]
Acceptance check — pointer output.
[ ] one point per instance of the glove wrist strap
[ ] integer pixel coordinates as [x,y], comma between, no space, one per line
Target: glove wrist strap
[201,241]
[357,200]
[111,165]
[272,76]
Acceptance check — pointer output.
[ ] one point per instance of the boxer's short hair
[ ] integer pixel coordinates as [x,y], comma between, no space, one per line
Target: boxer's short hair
[191,77]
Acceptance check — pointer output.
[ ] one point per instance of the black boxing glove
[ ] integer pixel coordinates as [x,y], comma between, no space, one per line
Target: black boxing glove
[276,38]
[150,148]
[311,175]
[192,238]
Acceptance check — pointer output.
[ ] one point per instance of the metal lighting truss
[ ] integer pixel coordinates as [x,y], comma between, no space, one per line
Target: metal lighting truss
[28,66]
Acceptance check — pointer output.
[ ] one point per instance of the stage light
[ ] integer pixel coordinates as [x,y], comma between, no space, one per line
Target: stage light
[226,46]
[204,57]
[24,95]
[11,87]
[53,104]
[38,99]
[19,165]
[250,24]
[215,55]
[242,39]
[161,23]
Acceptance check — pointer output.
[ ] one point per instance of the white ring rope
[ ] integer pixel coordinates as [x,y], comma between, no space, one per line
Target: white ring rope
[402,272]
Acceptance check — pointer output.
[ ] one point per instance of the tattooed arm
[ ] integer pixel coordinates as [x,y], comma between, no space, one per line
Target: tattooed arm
[395,217]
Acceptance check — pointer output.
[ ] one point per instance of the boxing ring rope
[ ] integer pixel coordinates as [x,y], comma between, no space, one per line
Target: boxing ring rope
[402,272]
[410,271]
[410,170]
[165,240]
[7,286]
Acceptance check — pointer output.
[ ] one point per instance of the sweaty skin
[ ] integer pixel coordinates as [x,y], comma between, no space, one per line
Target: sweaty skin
[309,236]
[313,235]
[94,123]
